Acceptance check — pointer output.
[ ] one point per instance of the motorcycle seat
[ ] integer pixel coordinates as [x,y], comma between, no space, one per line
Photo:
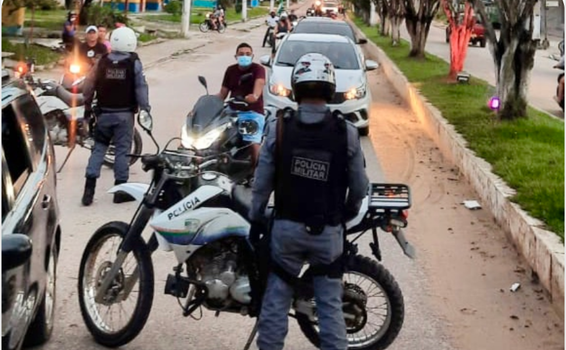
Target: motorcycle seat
[69,98]
[242,200]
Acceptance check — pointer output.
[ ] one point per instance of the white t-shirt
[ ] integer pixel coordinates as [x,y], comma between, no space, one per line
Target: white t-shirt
[272,21]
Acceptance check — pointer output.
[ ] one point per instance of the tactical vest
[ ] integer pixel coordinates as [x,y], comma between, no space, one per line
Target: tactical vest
[311,170]
[116,84]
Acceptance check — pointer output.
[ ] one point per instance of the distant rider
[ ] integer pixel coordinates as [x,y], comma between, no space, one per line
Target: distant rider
[69,30]
[91,50]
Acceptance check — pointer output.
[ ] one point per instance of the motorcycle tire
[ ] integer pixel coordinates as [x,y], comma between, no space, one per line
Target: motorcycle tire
[221,28]
[137,146]
[378,273]
[146,285]
[203,27]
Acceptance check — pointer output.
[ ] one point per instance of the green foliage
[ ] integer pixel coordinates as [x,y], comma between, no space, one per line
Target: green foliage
[528,154]
[105,15]
[174,7]
[41,54]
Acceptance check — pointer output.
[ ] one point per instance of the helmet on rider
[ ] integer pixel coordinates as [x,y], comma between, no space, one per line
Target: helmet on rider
[313,77]
[123,39]
[272,14]
[71,15]
[283,16]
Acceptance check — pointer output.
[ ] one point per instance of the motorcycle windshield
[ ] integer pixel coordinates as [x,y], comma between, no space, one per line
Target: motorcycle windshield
[205,114]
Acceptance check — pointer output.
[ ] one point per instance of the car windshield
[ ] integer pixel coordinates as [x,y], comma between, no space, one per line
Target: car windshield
[342,55]
[325,28]
[330,4]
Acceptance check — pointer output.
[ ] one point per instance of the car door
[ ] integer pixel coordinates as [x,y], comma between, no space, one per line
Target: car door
[24,149]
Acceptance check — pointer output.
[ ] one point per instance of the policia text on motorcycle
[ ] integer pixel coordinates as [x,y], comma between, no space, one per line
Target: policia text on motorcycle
[310,159]
[121,90]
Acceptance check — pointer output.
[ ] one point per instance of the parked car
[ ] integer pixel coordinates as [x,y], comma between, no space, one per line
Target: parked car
[352,98]
[31,234]
[323,25]
[478,33]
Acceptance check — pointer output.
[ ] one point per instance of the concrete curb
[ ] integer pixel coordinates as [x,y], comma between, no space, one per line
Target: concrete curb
[542,249]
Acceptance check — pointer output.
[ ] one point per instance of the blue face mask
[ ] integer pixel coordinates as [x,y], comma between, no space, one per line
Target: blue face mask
[244,61]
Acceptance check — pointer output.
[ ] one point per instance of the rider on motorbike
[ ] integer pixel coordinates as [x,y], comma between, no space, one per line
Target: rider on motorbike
[217,17]
[69,29]
[560,91]
[91,50]
[251,90]
[310,158]
[292,16]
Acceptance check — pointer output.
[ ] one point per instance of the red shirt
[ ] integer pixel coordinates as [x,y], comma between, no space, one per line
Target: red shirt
[232,83]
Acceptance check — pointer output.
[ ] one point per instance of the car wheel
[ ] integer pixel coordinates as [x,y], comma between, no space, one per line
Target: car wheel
[41,328]
[364,131]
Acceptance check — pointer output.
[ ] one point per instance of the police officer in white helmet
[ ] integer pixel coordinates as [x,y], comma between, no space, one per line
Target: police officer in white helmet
[118,83]
[310,159]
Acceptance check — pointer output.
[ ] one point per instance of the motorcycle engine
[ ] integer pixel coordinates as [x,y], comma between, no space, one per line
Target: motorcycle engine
[217,265]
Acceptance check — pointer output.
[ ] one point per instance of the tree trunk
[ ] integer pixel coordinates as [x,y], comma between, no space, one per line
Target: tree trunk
[418,31]
[385,27]
[395,32]
[459,41]
[513,70]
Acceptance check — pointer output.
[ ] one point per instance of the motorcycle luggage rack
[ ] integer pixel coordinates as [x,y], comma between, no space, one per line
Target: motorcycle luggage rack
[389,196]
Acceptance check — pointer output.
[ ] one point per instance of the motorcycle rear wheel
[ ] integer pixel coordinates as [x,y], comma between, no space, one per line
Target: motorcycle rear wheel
[137,146]
[89,271]
[378,275]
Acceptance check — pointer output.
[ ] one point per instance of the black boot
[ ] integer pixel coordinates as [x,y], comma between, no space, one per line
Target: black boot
[88,194]
[122,197]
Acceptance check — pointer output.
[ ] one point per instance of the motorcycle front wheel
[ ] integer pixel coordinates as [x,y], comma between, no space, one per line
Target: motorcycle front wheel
[221,28]
[137,146]
[368,287]
[136,271]
[203,27]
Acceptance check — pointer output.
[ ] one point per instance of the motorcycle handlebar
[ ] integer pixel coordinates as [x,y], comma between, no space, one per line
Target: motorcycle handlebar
[238,100]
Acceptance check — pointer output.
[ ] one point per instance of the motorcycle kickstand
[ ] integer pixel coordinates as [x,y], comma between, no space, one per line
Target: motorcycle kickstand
[67,158]
[252,335]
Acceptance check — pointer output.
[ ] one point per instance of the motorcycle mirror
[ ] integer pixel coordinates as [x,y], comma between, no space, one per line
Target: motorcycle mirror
[16,250]
[202,81]
[145,121]
[246,77]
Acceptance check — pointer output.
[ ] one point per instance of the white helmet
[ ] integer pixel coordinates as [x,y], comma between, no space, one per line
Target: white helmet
[123,39]
[283,15]
[313,77]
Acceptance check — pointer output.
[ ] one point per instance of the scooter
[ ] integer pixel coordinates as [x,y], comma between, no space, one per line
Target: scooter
[268,34]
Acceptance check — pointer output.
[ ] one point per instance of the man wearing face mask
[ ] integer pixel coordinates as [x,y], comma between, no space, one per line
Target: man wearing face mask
[250,89]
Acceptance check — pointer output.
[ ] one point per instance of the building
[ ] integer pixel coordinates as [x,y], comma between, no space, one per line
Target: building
[135,5]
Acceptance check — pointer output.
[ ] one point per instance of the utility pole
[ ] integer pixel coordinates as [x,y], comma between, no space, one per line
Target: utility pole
[271,5]
[544,24]
[244,10]
[186,19]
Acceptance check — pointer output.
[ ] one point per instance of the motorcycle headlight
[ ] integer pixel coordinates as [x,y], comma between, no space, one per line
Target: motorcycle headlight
[356,93]
[279,90]
[204,141]
[75,68]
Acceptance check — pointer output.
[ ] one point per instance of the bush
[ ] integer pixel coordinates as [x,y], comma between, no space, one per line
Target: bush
[174,7]
[47,5]
[105,16]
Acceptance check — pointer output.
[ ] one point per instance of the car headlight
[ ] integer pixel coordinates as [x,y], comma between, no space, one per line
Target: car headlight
[279,90]
[355,93]
[204,141]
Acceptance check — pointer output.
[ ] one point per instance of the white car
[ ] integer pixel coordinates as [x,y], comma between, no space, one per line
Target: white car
[353,96]
[329,6]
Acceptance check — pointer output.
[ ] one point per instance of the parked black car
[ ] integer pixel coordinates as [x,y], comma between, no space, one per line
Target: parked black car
[31,234]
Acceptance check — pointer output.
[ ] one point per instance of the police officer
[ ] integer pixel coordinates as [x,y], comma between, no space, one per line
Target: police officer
[121,89]
[310,158]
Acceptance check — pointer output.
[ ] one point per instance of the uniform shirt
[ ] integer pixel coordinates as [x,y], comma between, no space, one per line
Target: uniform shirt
[232,83]
[142,90]
[265,172]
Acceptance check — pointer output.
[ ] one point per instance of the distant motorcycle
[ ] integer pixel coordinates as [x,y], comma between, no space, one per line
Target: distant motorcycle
[207,25]
[268,35]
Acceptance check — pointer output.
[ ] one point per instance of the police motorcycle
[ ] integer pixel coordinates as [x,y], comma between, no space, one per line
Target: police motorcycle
[202,218]
[211,128]
[63,113]
[73,77]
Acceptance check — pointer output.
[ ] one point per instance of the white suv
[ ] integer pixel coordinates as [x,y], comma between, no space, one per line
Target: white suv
[352,98]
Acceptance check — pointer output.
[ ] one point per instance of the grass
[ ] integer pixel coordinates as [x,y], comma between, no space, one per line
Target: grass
[42,55]
[198,15]
[144,37]
[52,19]
[527,153]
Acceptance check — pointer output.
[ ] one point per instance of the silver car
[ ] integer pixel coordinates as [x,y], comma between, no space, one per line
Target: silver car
[352,98]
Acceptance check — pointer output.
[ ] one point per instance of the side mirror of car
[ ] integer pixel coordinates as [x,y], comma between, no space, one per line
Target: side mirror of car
[362,41]
[16,250]
[371,65]
[265,60]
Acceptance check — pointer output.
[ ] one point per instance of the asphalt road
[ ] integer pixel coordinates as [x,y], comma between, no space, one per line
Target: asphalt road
[479,63]
[428,324]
